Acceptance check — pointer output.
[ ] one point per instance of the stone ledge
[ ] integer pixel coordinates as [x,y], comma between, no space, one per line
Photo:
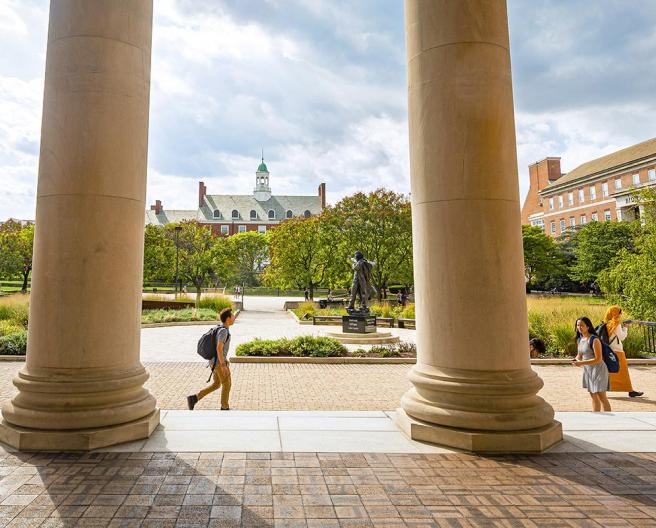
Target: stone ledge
[324,360]
[561,361]
[25,439]
[12,358]
[184,323]
[295,317]
[489,442]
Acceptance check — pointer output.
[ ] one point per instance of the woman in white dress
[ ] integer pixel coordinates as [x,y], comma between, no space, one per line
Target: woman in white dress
[595,372]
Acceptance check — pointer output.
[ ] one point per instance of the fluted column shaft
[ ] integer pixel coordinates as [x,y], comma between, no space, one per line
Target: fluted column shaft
[473,370]
[83,369]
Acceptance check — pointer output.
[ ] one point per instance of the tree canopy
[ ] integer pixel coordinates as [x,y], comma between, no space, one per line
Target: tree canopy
[16,248]
[542,260]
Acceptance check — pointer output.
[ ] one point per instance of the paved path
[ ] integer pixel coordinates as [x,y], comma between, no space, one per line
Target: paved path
[178,343]
[343,387]
[326,490]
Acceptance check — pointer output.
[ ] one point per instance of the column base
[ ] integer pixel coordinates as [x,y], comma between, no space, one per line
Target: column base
[523,441]
[25,439]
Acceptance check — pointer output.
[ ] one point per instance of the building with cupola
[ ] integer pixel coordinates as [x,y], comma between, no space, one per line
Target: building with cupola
[229,214]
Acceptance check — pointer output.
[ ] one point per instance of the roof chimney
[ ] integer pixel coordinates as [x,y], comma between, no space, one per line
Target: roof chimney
[202,192]
[322,195]
[158,208]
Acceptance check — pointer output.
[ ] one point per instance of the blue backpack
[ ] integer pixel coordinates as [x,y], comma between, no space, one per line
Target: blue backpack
[607,354]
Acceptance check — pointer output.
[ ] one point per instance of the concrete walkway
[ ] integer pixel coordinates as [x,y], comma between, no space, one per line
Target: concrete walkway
[263,318]
[365,432]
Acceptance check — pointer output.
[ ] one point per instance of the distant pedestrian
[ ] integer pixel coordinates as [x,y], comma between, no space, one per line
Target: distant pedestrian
[536,347]
[614,332]
[595,372]
[307,294]
[221,366]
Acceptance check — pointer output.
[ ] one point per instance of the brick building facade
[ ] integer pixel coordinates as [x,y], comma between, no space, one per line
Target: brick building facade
[598,190]
[229,214]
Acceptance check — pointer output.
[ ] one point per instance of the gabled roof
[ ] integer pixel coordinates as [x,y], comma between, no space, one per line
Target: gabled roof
[171,216]
[610,161]
[245,203]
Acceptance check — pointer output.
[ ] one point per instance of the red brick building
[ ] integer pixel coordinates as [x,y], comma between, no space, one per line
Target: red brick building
[236,213]
[598,190]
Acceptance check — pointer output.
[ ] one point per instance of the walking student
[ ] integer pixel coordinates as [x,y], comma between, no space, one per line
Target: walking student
[616,333]
[595,372]
[221,373]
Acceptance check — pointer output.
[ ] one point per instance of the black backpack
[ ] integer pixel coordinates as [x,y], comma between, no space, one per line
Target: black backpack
[207,346]
[607,354]
[602,332]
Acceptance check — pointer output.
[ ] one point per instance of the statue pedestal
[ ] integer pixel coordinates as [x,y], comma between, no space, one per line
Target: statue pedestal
[359,324]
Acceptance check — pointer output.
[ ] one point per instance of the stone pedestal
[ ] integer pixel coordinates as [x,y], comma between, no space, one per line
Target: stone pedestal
[473,385]
[82,384]
[359,324]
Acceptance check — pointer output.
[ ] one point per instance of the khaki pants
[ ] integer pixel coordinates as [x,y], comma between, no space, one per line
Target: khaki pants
[218,380]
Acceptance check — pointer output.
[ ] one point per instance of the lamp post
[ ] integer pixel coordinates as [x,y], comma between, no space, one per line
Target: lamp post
[177,258]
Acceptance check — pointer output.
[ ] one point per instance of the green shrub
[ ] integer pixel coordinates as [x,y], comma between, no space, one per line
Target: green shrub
[307,307]
[634,345]
[175,316]
[15,312]
[384,351]
[9,327]
[408,312]
[303,346]
[563,340]
[14,344]
[215,302]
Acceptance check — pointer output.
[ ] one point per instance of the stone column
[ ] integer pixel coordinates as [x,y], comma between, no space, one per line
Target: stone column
[473,385]
[82,384]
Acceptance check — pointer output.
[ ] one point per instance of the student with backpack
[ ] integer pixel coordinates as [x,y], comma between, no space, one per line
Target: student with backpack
[595,370]
[613,331]
[214,346]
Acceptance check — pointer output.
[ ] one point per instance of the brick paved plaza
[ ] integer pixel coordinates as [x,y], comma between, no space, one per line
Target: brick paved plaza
[340,490]
[343,387]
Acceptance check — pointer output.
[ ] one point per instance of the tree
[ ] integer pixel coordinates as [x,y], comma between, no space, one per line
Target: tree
[159,255]
[251,253]
[378,224]
[300,251]
[630,279]
[202,256]
[596,244]
[16,248]
[541,256]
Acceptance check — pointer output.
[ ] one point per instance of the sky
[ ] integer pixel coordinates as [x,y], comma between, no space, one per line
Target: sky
[320,85]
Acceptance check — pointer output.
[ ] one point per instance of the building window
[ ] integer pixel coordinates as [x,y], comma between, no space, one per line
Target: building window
[235,214]
[217,213]
[261,229]
[562,226]
[572,221]
[560,201]
[289,213]
[242,228]
[618,184]
[551,203]
[593,192]
[570,198]
[272,214]
[224,230]
[636,179]
[253,214]
[584,220]
[581,196]
[651,174]
[604,189]
[307,213]
[594,217]
[607,215]
[553,228]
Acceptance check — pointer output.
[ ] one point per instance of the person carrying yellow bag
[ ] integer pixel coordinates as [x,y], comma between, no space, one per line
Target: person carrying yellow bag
[613,331]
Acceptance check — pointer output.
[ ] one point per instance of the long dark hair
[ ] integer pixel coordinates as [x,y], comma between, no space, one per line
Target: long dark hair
[586,321]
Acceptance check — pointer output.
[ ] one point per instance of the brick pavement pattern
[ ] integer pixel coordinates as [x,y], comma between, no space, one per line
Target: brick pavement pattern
[343,387]
[166,490]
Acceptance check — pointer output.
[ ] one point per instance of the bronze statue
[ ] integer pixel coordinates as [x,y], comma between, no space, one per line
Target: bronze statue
[362,285]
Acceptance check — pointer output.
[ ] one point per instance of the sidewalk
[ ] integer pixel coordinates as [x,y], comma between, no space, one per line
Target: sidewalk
[365,432]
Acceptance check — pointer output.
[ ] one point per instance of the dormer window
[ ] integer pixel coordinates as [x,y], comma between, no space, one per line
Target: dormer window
[289,213]
[272,214]
[253,214]
[307,213]
[235,214]
[217,213]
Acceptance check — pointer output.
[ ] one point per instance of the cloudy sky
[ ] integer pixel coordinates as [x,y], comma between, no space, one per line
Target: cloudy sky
[320,85]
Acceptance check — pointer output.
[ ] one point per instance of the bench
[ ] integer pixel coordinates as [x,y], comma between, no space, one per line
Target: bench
[325,303]
[327,319]
[387,322]
[406,323]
